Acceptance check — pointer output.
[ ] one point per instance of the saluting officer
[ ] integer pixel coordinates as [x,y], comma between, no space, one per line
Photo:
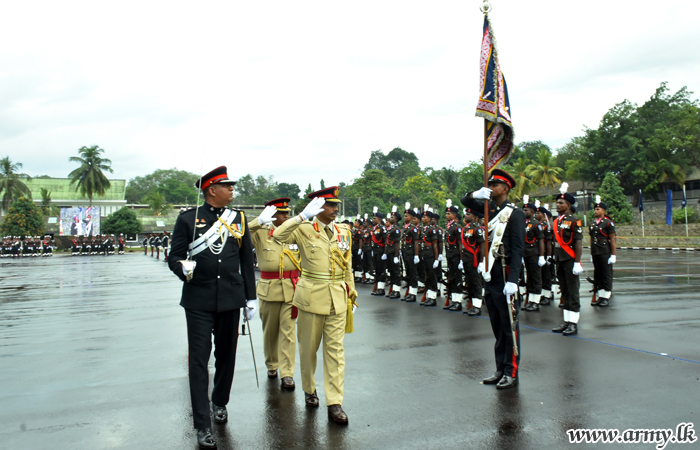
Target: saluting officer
[534,257]
[378,255]
[568,233]
[507,229]
[279,274]
[453,231]
[218,281]
[392,250]
[324,295]
[603,253]
[473,248]
[544,217]
[410,251]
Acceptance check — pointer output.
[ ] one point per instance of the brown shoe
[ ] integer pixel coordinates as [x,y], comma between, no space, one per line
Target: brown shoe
[288,383]
[336,414]
[272,373]
[311,399]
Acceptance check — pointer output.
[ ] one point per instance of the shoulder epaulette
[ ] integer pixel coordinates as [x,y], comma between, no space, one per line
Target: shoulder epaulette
[191,208]
[344,226]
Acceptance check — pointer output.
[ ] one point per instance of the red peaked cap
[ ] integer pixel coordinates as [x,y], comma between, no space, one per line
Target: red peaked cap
[282,204]
[501,176]
[216,176]
[330,194]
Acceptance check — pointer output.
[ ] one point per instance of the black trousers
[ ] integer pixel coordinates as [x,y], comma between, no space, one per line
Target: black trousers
[569,285]
[602,272]
[534,275]
[356,259]
[474,282]
[379,264]
[420,269]
[411,269]
[454,275]
[200,327]
[393,268]
[546,273]
[499,312]
[367,263]
[430,275]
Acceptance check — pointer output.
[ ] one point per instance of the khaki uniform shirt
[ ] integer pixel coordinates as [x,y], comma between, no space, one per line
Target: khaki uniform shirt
[271,254]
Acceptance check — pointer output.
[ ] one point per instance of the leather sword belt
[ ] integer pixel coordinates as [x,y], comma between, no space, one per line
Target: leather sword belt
[276,275]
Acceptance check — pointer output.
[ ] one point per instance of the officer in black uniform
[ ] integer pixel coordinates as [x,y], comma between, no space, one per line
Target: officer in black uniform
[429,256]
[500,292]
[603,253]
[218,281]
[392,250]
[545,218]
[568,234]
[473,247]
[357,249]
[453,231]
[378,255]
[410,251]
[534,257]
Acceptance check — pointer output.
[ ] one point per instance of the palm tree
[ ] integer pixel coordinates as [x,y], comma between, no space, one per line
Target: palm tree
[543,172]
[447,178]
[10,184]
[89,175]
[46,207]
[157,203]
[523,184]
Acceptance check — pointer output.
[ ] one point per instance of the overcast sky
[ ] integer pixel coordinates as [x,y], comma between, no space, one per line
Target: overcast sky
[304,90]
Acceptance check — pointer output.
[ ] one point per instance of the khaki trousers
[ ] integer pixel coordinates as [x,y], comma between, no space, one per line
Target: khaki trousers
[311,328]
[279,340]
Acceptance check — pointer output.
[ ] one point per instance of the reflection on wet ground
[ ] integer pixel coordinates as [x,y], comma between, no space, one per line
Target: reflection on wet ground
[93,355]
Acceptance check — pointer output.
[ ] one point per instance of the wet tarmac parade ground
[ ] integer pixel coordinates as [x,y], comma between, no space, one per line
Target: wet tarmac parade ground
[93,355]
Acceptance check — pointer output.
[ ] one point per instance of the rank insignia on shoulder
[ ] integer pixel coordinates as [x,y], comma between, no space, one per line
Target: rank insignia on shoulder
[184,210]
[578,223]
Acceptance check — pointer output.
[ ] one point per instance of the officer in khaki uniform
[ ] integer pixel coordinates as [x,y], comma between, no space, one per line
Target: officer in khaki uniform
[279,274]
[324,295]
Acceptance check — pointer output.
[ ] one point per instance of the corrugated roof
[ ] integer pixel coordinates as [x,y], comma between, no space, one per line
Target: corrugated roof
[61,189]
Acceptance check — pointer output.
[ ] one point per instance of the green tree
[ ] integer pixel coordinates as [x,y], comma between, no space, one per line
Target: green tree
[446,179]
[611,193]
[11,186]
[398,165]
[529,150]
[288,190]
[523,184]
[122,221]
[418,190]
[543,172]
[156,201]
[176,185]
[373,183]
[89,176]
[47,208]
[23,219]
[471,178]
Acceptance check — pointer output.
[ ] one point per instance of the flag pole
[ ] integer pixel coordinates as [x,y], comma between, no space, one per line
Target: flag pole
[486,203]
[686,213]
[641,212]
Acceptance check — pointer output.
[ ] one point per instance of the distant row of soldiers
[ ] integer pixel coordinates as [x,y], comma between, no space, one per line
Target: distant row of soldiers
[97,245]
[19,246]
[157,241]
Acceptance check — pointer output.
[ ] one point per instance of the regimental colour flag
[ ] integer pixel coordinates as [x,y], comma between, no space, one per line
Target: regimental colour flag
[493,104]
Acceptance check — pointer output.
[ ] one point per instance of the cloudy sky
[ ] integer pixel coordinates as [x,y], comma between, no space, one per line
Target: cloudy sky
[305,90]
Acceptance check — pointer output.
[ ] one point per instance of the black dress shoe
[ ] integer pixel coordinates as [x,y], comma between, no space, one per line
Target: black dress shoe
[596,302]
[311,399]
[220,413]
[430,302]
[561,328]
[288,383]
[395,294]
[336,414]
[455,307]
[473,311]
[603,302]
[570,330]
[378,292]
[561,305]
[411,298]
[507,382]
[205,439]
[544,301]
[532,307]
[494,379]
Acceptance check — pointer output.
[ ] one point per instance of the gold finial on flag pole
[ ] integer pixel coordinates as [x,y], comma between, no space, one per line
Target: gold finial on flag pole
[485,7]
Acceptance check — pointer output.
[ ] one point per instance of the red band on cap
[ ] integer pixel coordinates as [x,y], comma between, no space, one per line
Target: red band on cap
[503,179]
[211,180]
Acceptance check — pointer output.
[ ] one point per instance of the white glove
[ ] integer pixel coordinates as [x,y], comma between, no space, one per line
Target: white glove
[354,307]
[313,208]
[265,216]
[435,264]
[440,258]
[612,259]
[578,269]
[461,265]
[251,307]
[541,262]
[188,268]
[591,259]
[481,268]
[371,253]
[383,256]
[510,289]
[396,260]
[416,259]
[359,252]
[550,260]
[482,194]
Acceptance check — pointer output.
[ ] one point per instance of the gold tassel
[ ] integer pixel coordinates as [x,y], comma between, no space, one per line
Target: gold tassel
[349,323]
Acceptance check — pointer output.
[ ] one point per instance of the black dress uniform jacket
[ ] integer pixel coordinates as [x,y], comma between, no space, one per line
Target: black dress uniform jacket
[220,282]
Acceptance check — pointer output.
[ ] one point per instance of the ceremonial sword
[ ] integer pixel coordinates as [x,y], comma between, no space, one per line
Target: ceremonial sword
[255,366]
[511,305]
